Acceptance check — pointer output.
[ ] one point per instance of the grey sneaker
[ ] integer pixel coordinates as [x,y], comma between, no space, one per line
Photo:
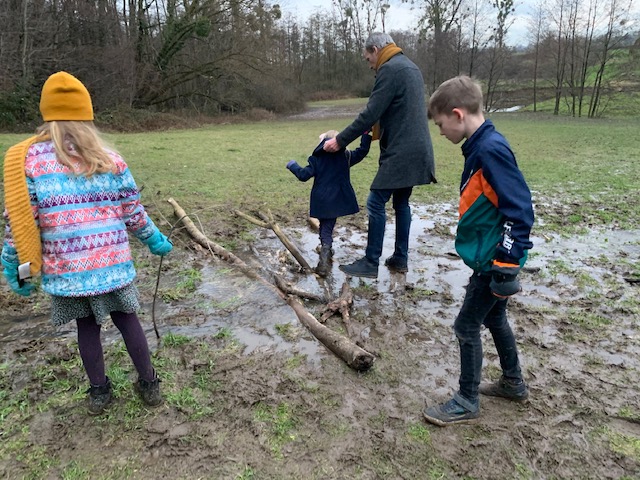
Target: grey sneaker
[505,388]
[149,391]
[396,264]
[449,413]
[99,398]
[361,268]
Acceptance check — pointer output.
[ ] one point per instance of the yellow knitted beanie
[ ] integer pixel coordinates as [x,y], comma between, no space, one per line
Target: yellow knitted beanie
[64,97]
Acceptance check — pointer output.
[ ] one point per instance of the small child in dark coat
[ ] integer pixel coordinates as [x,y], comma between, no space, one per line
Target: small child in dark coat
[332,195]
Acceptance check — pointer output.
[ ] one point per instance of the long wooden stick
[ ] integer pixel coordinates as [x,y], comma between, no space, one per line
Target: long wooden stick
[269,222]
[349,352]
[285,240]
[290,289]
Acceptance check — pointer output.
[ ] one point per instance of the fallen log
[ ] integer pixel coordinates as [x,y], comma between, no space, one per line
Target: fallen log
[354,356]
[314,223]
[357,358]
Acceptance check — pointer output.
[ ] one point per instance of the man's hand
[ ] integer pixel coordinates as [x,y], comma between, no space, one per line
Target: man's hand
[331,145]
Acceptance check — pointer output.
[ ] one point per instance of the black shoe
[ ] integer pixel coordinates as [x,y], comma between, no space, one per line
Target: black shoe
[324,264]
[449,413]
[396,264]
[149,391]
[99,398]
[505,388]
[361,268]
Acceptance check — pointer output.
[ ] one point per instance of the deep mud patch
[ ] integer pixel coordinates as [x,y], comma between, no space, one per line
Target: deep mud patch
[251,394]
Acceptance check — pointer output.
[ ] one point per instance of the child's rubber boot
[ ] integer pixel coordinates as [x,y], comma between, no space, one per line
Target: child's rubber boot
[99,398]
[149,391]
[324,264]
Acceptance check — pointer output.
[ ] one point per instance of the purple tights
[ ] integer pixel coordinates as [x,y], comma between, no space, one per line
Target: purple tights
[91,352]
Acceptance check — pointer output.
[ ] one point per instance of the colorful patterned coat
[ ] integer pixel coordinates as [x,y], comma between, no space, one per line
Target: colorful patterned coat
[84,224]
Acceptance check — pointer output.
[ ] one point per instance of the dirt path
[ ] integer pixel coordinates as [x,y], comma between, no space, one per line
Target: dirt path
[251,394]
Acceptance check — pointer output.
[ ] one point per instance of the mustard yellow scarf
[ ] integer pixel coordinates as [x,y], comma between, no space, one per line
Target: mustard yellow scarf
[26,233]
[383,56]
[386,53]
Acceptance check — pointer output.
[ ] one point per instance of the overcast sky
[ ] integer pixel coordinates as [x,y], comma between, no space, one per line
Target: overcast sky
[400,15]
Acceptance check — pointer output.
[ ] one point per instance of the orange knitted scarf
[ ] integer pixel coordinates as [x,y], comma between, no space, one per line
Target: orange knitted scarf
[26,233]
[386,53]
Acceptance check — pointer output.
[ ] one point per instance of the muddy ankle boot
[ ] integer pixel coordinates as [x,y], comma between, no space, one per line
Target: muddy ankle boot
[99,398]
[324,264]
[149,391]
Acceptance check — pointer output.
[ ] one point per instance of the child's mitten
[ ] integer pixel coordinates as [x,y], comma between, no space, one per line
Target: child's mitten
[20,287]
[504,279]
[158,243]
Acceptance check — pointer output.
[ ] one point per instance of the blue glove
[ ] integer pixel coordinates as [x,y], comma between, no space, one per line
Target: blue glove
[504,279]
[159,244]
[290,163]
[18,286]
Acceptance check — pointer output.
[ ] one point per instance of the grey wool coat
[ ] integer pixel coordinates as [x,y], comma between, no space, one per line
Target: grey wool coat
[397,101]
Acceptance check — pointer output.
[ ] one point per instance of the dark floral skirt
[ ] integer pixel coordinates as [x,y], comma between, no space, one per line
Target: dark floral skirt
[65,309]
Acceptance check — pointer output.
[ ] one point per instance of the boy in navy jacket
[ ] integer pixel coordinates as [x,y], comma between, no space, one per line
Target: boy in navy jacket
[495,220]
[332,195]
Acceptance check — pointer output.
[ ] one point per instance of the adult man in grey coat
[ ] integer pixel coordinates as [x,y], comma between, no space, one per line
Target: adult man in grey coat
[397,106]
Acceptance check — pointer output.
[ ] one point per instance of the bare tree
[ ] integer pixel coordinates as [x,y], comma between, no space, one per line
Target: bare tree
[437,23]
[498,50]
[617,15]
[537,29]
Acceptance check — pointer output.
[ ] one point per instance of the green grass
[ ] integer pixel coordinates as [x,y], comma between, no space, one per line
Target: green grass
[280,422]
[586,166]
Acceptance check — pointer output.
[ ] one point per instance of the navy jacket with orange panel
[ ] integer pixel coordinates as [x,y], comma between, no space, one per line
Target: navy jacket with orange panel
[495,214]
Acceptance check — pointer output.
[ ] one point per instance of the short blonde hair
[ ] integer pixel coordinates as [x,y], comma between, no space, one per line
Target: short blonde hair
[81,141]
[457,92]
[328,134]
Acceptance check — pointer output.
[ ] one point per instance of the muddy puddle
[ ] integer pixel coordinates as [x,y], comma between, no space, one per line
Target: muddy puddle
[559,268]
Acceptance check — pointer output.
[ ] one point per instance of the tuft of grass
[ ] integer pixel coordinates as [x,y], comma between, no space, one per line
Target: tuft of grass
[185,287]
[174,340]
[587,319]
[627,445]
[287,331]
[280,422]
[419,433]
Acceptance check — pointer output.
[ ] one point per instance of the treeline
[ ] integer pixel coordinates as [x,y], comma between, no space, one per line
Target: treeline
[213,56]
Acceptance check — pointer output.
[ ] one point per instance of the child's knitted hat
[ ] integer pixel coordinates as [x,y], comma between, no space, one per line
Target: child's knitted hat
[64,97]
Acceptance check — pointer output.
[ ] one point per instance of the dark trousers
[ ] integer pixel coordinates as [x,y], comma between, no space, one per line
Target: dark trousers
[481,307]
[326,230]
[376,204]
[91,352]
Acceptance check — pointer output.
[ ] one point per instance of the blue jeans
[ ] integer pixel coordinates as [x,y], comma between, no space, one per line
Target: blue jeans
[378,219]
[481,307]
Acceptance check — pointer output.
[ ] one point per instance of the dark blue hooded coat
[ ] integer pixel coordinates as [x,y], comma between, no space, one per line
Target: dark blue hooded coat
[332,195]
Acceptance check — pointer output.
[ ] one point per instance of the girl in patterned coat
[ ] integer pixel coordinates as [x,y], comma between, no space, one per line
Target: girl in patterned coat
[70,205]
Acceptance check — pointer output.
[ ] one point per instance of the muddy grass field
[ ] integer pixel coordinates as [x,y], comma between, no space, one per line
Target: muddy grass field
[251,394]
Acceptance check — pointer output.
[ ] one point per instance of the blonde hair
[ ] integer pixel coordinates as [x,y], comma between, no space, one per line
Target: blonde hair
[79,141]
[329,134]
[457,92]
